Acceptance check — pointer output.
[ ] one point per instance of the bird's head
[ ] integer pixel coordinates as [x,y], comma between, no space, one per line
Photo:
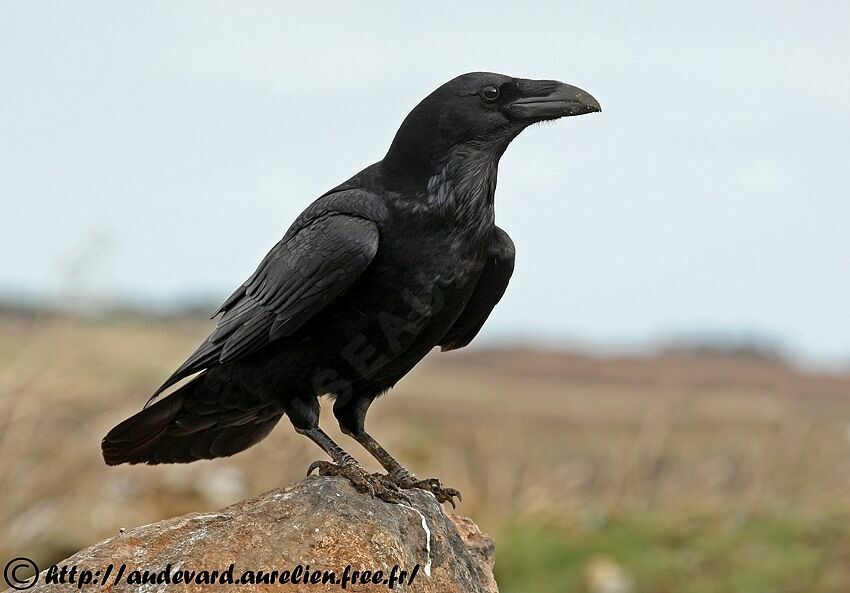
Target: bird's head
[480,110]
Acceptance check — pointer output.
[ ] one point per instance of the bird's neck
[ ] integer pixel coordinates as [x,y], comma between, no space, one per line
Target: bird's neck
[457,195]
[463,186]
[456,191]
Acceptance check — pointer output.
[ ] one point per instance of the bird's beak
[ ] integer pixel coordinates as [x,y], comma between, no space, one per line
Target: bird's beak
[555,99]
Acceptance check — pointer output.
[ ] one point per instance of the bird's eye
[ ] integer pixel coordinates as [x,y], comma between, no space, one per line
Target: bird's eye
[489,93]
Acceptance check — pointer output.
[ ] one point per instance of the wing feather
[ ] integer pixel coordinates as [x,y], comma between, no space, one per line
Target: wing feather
[488,292]
[311,266]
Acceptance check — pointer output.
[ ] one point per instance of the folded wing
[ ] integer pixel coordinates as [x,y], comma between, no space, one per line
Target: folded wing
[311,266]
[491,286]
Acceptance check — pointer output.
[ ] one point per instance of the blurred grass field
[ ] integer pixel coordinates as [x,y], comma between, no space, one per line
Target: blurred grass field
[671,473]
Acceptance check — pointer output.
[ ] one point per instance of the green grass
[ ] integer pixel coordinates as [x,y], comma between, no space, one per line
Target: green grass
[770,553]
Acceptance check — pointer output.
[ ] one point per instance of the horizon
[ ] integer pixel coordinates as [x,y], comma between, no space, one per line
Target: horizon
[154,153]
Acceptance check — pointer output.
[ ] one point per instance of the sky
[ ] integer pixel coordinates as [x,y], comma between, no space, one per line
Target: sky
[154,151]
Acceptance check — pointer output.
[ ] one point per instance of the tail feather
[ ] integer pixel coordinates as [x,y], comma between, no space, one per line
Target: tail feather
[176,429]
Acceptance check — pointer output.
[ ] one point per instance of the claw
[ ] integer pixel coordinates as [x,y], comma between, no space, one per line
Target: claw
[326,468]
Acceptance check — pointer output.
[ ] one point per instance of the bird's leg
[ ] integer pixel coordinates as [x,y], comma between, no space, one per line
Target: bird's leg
[345,465]
[351,414]
[398,474]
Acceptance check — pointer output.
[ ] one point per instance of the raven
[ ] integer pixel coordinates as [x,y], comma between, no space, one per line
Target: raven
[402,257]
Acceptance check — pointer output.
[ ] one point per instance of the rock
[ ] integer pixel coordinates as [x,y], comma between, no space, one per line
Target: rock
[320,522]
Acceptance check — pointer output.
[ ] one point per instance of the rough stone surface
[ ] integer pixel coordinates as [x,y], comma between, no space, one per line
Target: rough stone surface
[321,522]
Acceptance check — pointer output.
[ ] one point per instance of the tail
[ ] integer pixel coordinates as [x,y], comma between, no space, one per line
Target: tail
[195,422]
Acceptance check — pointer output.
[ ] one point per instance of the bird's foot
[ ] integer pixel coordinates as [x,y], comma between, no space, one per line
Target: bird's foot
[375,484]
[408,481]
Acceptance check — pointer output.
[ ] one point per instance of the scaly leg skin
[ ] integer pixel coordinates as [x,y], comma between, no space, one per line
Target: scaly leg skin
[345,465]
[399,476]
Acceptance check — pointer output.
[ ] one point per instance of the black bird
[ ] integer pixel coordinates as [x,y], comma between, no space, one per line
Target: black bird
[402,257]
